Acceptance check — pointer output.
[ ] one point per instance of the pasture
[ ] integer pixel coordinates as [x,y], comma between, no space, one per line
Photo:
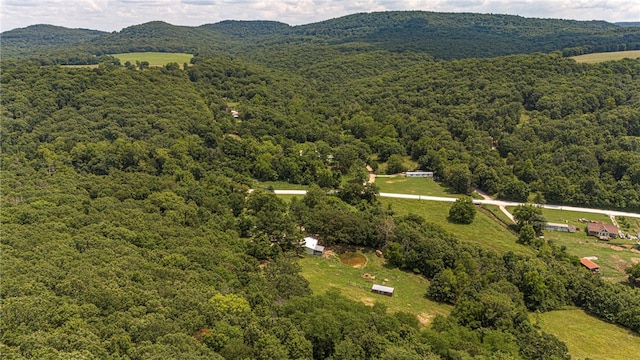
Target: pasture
[412,185]
[589,337]
[606,56]
[329,272]
[154,58]
[484,230]
[613,256]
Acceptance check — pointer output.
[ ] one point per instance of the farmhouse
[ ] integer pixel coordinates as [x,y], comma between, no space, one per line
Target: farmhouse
[602,230]
[382,290]
[590,265]
[311,246]
[428,174]
[560,227]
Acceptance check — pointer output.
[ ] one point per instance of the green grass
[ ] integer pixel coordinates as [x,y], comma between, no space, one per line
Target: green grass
[329,273]
[589,337]
[613,256]
[484,231]
[280,185]
[607,56]
[411,185]
[495,210]
[154,58]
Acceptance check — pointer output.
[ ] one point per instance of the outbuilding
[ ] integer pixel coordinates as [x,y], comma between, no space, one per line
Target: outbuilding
[590,265]
[382,290]
[428,174]
[311,246]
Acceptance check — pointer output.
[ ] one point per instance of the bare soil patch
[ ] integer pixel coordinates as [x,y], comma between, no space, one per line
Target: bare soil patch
[394,181]
[353,259]
[635,260]
[425,318]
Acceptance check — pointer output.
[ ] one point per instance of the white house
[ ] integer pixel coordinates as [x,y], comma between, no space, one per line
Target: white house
[311,246]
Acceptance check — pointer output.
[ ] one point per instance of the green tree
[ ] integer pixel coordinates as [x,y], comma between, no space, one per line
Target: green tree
[395,164]
[463,211]
[526,235]
[459,178]
[634,274]
[529,215]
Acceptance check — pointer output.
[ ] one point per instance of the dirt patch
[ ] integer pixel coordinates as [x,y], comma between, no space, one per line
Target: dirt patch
[368,301]
[328,254]
[617,248]
[368,276]
[394,181]
[621,264]
[635,260]
[425,318]
[353,259]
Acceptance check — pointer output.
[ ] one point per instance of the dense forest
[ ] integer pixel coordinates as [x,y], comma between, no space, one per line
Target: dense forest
[129,231]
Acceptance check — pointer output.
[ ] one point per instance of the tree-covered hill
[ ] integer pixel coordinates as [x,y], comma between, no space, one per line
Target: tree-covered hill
[441,35]
[129,232]
[38,39]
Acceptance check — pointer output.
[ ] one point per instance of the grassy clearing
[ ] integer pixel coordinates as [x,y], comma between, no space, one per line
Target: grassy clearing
[154,58]
[613,256]
[495,210]
[280,185]
[589,337]
[484,231]
[417,186]
[330,273]
[607,56]
[629,224]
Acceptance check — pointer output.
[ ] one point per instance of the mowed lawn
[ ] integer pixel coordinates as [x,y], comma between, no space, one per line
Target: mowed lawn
[483,231]
[414,186]
[328,272]
[589,337]
[607,56]
[154,58]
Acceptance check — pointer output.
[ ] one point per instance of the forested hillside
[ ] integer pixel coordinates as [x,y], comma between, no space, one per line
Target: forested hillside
[129,231]
[441,35]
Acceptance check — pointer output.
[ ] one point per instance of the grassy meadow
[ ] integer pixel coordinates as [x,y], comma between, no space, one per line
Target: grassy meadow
[484,230]
[589,337]
[613,256]
[154,58]
[328,272]
[606,56]
[411,185]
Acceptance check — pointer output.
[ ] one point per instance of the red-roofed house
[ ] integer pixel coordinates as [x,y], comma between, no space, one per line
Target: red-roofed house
[602,230]
[593,267]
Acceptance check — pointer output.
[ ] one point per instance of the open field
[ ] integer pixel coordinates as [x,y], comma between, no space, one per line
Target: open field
[607,56]
[483,231]
[589,337]
[154,58]
[495,210]
[613,256]
[569,217]
[413,186]
[328,272]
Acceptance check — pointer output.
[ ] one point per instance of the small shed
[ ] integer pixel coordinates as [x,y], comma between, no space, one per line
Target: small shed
[311,246]
[382,290]
[590,265]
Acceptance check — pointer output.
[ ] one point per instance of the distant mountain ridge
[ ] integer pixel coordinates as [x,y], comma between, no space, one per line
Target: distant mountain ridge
[442,35]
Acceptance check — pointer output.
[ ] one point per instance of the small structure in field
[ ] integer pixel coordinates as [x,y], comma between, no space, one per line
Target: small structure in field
[590,265]
[311,246]
[428,174]
[382,290]
[602,231]
[560,227]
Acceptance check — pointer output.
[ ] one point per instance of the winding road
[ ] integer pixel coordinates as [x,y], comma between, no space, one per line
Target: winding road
[499,203]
